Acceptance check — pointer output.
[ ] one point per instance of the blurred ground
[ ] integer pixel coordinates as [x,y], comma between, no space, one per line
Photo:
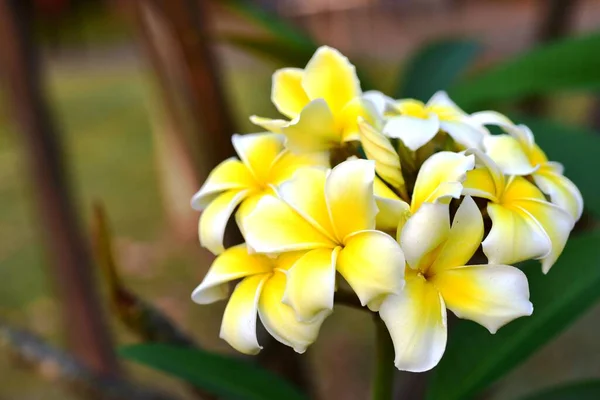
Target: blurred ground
[104,100]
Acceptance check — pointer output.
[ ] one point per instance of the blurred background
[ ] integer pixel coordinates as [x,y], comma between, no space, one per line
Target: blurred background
[127,105]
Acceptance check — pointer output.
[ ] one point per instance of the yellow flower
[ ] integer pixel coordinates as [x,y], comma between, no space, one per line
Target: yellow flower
[260,291]
[416,123]
[322,100]
[437,278]
[264,165]
[517,154]
[331,217]
[524,224]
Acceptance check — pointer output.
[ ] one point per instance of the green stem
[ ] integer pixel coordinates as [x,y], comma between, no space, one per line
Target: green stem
[383,377]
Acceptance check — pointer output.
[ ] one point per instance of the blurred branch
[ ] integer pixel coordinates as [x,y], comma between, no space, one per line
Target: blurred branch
[140,317]
[58,365]
[70,261]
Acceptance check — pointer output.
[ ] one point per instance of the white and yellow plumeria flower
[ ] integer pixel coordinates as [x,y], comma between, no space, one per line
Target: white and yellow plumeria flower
[322,100]
[260,291]
[416,123]
[332,219]
[437,278]
[518,154]
[524,224]
[264,164]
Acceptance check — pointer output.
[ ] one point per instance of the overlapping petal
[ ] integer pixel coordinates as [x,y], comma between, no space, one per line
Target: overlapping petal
[372,263]
[239,319]
[491,295]
[414,132]
[258,151]
[416,319]
[330,76]
[313,130]
[509,155]
[274,227]
[561,191]
[440,178]
[213,219]
[228,175]
[287,93]
[393,211]
[311,284]
[280,320]
[271,125]
[233,264]
[349,194]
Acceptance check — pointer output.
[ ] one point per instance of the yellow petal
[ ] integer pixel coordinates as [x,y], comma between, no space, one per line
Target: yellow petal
[414,132]
[440,178]
[330,76]
[274,227]
[287,93]
[463,239]
[234,263]
[372,263]
[509,154]
[230,174]
[313,130]
[515,236]
[412,108]
[491,295]
[239,319]
[272,125]
[519,188]
[349,194]
[486,180]
[556,222]
[392,210]
[280,320]
[378,148]
[416,319]
[305,192]
[311,284]
[258,151]
[561,191]
[288,163]
[424,233]
[213,219]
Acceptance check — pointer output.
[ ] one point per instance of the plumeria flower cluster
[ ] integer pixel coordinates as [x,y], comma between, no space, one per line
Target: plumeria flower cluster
[414,207]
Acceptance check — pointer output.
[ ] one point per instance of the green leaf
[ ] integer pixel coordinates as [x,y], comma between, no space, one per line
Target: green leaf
[273,49]
[435,67]
[569,64]
[588,390]
[224,376]
[474,358]
[272,23]
[577,149]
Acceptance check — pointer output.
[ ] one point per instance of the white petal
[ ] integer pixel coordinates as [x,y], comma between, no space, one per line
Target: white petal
[463,133]
[509,154]
[561,191]
[424,232]
[213,219]
[416,319]
[414,132]
[272,125]
[491,295]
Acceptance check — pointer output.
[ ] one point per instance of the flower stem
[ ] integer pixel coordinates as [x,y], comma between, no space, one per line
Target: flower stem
[383,377]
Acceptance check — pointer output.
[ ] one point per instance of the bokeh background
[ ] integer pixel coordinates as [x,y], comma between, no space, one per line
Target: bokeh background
[126,144]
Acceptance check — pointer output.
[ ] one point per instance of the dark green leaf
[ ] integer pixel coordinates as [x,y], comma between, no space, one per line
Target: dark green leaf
[224,376]
[577,149]
[474,358]
[569,64]
[435,67]
[589,390]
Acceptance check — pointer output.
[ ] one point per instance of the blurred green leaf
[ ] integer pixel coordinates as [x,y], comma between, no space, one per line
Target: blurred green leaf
[572,63]
[435,67]
[224,376]
[271,48]
[272,23]
[577,149]
[474,358]
[588,390]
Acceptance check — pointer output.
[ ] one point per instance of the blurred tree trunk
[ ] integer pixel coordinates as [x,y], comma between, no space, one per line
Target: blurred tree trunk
[194,134]
[70,261]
